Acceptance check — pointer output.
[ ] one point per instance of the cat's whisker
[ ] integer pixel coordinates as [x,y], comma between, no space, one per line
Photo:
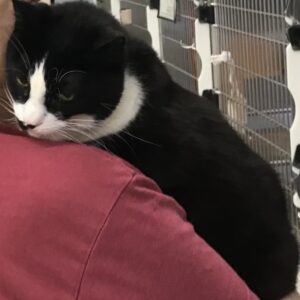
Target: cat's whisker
[89,136]
[8,90]
[70,72]
[57,72]
[10,122]
[23,49]
[76,121]
[77,130]
[109,104]
[125,141]
[24,56]
[8,94]
[6,108]
[13,122]
[6,105]
[83,125]
[11,119]
[106,107]
[100,144]
[4,99]
[13,69]
[9,101]
[68,137]
[140,139]
[92,138]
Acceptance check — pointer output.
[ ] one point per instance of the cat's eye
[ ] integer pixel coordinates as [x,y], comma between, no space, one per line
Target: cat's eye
[65,98]
[21,82]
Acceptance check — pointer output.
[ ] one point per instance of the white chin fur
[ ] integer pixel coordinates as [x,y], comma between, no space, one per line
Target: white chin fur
[56,130]
[50,127]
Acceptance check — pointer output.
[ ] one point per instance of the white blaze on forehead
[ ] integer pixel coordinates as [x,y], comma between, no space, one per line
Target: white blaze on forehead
[38,84]
[33,111]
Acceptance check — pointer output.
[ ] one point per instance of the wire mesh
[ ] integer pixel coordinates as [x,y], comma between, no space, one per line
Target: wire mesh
[138,27]
[292,12]
[254,32]
[178,41]
[253,84]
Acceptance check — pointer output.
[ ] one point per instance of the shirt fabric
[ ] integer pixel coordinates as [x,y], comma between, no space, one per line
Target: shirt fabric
[79,223]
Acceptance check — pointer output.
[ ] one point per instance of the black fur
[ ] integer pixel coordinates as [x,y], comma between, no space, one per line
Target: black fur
[232,196]
[294,36]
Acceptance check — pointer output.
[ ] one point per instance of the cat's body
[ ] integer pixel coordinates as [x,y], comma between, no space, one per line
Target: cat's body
[232,197]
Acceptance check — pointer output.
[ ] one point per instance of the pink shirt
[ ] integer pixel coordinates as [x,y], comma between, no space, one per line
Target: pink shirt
[78,223]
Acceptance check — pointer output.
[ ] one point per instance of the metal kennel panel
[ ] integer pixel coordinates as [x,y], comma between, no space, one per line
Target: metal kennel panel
[132,13]
[253,78]
[292,12]
[138,26]
[178,46]
[177,39]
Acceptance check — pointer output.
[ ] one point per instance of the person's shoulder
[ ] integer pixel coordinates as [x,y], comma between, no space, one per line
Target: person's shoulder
[80,158]
[64,169]
[148,245]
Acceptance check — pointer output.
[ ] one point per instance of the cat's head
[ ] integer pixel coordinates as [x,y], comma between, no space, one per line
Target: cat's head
[66,71]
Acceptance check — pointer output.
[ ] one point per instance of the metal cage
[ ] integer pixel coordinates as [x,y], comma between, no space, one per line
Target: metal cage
[138,18]
[251,81]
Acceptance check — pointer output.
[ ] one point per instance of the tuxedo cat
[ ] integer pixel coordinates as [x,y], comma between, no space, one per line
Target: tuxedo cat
[73,73]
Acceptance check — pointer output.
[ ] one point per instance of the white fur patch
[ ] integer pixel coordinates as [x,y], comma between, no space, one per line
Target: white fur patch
[33,111]
[81,127]
[125,112]
[82,121]
[51,125]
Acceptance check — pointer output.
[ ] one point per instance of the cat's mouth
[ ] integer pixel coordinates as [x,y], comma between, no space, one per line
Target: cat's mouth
[43,131]
[77,128]
[23,126]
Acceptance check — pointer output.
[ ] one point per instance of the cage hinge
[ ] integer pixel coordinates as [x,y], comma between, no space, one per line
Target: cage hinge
[154,4]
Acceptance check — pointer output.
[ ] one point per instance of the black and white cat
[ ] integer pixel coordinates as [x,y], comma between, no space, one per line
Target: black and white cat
[73,73]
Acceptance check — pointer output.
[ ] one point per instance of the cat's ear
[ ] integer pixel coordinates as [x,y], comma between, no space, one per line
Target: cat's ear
[20,6]
[112,50]
[29,15]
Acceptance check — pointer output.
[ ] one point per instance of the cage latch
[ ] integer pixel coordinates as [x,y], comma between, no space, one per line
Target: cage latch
[294,36]
[207,13]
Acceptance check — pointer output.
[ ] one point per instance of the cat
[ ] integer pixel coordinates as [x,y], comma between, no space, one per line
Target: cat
[74,73]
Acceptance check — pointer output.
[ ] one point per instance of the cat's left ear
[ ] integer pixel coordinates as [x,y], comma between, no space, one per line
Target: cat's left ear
[112,50]
[27,10]
[29,16]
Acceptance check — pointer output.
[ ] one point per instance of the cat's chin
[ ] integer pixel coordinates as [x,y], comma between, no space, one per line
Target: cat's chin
[50,137]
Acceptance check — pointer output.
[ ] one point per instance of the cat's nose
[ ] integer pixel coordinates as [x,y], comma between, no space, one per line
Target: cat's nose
[25,126]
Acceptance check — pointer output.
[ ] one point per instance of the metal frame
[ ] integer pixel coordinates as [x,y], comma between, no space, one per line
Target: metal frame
[293,67]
